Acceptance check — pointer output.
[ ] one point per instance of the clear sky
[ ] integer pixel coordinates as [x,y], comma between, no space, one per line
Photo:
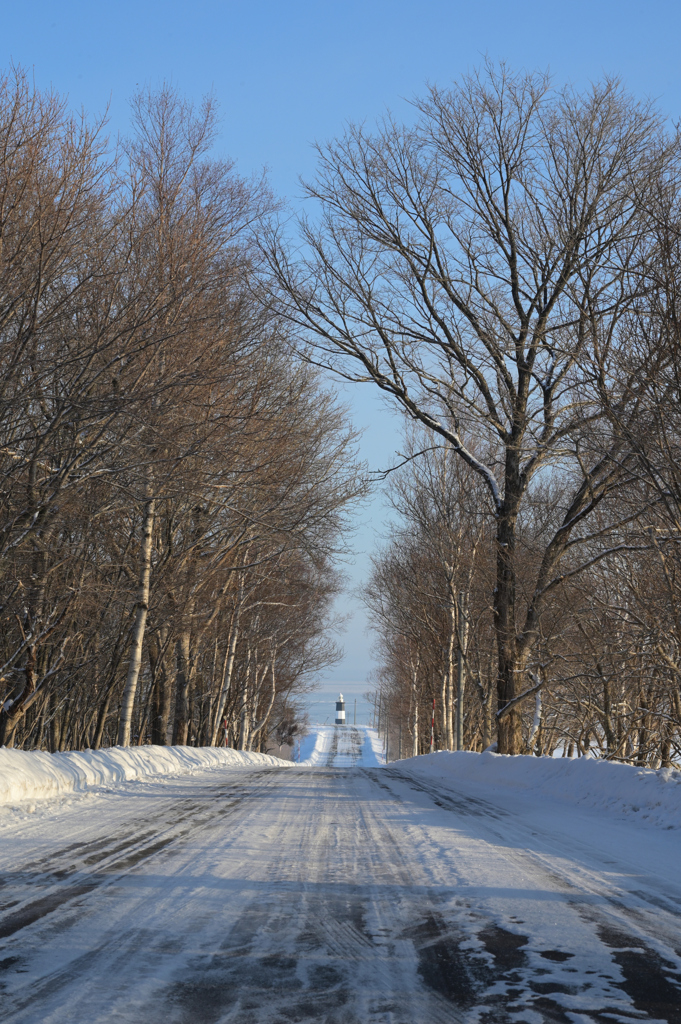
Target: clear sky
[288,72]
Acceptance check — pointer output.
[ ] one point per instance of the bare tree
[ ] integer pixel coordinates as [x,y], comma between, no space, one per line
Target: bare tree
[478,267]
[175,485]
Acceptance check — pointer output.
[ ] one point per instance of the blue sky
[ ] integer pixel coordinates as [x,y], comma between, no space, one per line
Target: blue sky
[287,73]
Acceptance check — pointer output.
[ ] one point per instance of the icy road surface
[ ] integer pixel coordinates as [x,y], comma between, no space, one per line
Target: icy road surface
[344,895]
[349,747]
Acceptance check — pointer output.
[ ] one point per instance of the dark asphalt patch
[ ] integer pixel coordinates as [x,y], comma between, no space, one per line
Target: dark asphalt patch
[443,967]
[652,983]
[505,947]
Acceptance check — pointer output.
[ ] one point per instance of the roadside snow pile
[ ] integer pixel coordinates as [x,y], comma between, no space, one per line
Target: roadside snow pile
[35,774]
[316,746]
[372,751]
[640,794]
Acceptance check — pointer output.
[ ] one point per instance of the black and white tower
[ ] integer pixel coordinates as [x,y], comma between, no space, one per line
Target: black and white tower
[340,710]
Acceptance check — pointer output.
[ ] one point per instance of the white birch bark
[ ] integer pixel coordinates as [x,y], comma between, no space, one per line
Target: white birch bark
[243,717]
[273,692]
[142,610]
[461,666]
[226,680]
[415,705]
[536,723]
[449,669]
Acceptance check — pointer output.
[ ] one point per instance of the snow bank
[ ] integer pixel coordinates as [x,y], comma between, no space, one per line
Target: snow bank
[314,749]
[639,794]
[372,751]
[34,774]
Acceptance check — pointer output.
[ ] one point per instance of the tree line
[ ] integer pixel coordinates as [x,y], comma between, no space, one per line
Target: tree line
[505,269]
[175,480]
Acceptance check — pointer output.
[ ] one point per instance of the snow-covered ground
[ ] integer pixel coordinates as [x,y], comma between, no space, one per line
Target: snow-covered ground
[617,790]
[342,746]
[455,888]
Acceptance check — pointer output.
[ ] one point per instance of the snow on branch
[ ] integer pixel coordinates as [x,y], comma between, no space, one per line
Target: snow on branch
[538,683]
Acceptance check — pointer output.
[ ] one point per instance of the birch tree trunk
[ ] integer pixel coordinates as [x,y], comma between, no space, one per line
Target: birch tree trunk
[450,733]
[226,681]
[263,721]
[535,733]
[415,705]
[243,716]
[140,624]
[461,667]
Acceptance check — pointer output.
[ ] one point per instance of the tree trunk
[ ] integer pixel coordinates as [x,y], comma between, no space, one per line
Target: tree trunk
[449,731]
[444,693]
[141,612]
[510,740]
[102,717]
[41,731]
[610,741]
[415,706]
[461,666]
[159,727]
[148,711]
[535,732]
[11,716]
[642,738]
[184,675]
[162,690]
[226,681]
[273,692]
[243,713]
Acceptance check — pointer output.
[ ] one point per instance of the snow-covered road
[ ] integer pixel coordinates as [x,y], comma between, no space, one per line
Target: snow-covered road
[353,746]
[344,895]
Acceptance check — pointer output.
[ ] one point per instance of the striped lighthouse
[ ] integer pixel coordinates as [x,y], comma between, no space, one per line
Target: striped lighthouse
[340,710]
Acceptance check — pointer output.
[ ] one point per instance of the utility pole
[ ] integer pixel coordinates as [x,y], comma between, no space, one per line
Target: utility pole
[461,665]
[399,749]
[387,738]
